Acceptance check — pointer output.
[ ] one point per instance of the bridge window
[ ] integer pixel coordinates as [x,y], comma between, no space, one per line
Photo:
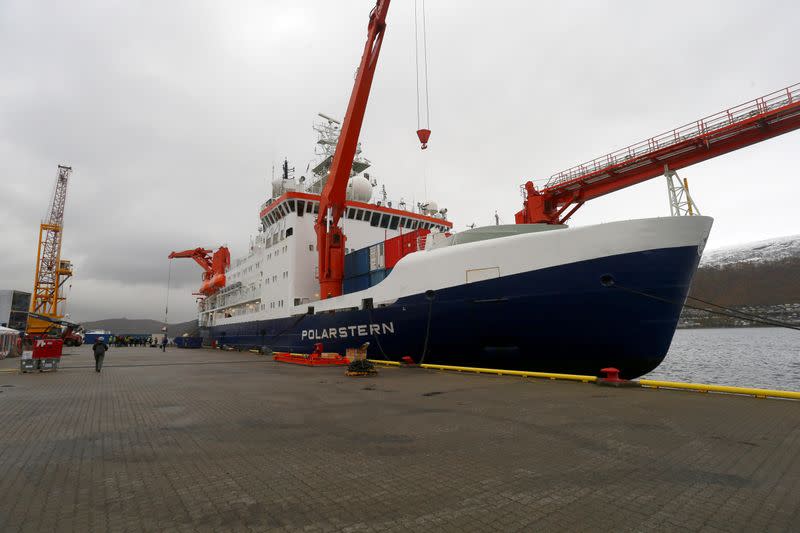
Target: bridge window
[375,219]
[394,222]
[300,208]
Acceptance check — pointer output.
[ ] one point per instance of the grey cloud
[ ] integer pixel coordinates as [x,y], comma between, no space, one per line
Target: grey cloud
[172,115]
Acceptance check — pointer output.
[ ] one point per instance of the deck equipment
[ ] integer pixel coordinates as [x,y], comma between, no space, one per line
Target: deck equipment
[330,236]
[214,267]
[740,126]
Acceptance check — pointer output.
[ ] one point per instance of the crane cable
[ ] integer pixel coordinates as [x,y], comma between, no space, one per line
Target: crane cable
[422,132]
[166,307]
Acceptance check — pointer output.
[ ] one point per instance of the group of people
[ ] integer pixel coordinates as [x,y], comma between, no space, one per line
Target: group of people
[99,348]
[132,341]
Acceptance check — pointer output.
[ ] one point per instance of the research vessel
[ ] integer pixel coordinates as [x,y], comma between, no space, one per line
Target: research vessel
[544,297]
[337,265]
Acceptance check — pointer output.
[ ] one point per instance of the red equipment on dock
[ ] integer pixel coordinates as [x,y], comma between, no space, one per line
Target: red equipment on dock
[746,124]
[317,358]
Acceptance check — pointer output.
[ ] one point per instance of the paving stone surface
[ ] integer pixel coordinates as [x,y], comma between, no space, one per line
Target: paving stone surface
[202,440]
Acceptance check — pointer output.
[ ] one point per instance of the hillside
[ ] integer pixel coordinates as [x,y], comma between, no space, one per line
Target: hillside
[759,273]
[128,326]
[761,278]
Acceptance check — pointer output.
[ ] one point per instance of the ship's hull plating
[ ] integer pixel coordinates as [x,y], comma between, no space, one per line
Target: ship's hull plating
[557,319]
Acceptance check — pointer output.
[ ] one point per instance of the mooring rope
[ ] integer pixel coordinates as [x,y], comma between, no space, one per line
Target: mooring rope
[727,311]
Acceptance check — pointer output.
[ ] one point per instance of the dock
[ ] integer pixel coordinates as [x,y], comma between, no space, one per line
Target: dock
[202,440]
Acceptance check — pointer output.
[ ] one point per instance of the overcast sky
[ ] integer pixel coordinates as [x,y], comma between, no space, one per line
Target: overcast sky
[173,113]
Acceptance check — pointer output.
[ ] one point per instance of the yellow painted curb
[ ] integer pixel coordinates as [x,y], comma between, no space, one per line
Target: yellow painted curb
[701,387]
[382,362]
[520,373]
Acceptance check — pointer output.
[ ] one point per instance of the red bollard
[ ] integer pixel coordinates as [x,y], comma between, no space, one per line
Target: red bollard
[612,374]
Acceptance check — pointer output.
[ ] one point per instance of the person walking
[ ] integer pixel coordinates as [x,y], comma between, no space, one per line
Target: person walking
[99,349]
[164,343]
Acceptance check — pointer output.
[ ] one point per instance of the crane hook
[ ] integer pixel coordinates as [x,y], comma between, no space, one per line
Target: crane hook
[424,135]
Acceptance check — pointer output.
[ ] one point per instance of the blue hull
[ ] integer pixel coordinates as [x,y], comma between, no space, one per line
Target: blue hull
[559,319]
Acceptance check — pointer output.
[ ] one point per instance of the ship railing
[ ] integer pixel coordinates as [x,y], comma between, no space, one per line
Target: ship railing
[735,115]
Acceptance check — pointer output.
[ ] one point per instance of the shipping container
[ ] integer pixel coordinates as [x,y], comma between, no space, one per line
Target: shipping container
[188,342]
[398,247]
[376,277]
[377,259]
[356,263]
[355,284]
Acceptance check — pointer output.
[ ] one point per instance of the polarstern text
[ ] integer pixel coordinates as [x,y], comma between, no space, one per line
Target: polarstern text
[344,332]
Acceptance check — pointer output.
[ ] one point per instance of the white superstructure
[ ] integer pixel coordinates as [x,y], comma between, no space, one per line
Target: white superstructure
[279,272]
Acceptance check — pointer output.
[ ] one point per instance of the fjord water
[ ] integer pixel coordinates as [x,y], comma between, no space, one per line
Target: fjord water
[745,357]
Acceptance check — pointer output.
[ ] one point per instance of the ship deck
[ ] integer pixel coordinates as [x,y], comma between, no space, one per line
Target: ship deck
[208,440]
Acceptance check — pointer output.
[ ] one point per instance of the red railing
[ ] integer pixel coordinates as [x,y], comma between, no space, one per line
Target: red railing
[703,127]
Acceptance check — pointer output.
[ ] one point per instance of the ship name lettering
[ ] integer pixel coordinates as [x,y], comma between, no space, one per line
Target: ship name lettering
[345,332]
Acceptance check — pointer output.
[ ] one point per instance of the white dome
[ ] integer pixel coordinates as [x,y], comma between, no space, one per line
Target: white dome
[430,208]
[277,188]
[359,189]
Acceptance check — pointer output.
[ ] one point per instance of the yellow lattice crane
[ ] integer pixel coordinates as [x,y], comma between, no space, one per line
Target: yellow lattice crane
[51,271]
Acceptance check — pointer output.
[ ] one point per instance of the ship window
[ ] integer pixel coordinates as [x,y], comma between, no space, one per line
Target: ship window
[359,214]
[291,206]
[289,232]
[385,221]
[376,218]
[393,224]
[300,208]
[316,208]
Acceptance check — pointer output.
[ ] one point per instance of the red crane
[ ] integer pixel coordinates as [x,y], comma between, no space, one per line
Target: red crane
[330,237]
[746,124]
[214,267]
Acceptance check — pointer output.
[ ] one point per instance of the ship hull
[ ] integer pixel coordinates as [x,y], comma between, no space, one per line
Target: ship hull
[619,310]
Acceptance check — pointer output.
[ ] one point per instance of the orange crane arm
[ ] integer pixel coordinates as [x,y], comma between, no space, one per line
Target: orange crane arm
[214,267]
[330,237]
[746,124]
[201,256]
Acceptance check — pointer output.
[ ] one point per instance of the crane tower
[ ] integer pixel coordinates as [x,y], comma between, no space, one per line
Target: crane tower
[51,271]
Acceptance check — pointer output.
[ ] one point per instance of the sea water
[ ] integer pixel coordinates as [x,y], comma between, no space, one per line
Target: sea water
[744,357]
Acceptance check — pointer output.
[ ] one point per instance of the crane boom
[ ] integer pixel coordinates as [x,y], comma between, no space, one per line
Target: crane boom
[746,124]
[51,270]
[214,267]
[330,237]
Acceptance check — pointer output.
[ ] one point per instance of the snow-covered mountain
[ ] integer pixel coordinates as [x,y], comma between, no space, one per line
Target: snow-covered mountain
[758,273]
[768,251]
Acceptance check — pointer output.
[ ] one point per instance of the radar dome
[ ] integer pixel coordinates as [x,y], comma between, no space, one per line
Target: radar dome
[430,208]
[359,189]
[277,188]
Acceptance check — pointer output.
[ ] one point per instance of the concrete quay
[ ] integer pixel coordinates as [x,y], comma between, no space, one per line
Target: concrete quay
[202,440]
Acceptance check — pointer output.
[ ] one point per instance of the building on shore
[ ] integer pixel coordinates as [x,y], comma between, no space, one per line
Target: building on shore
[14,306]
